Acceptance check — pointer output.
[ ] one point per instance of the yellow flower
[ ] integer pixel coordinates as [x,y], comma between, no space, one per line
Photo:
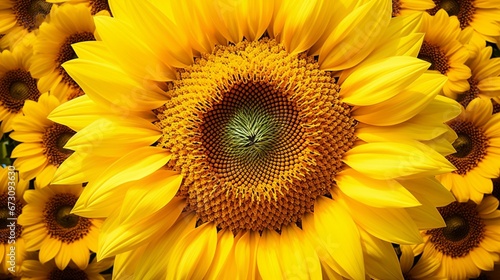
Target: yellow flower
[482,16]
[68,24]
[34,269]
[469,243]
[20,18]
[41,149]
[444,50]
[485,79]
[477,148]
[11,204]
[16,84]
[257,138]
[51,228]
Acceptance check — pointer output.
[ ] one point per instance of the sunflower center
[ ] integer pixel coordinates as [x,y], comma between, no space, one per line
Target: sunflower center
[19,90]
[471,146]
[68,273]
[434,55]
[65,219]
[452,7]
[464,230]
[257,133]
[463,146]
[463,9]
[396,7]
[60,223]
[54,139]
[456,228]
[67,53]
[5,213]
[99,5]
[31,13]
[17,86]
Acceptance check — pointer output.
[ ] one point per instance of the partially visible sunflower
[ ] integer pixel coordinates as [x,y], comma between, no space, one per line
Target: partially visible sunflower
[485,79]
[18,18]
[69,24]
[17,84]
[41,149]
[443,49]
[482,16]
[470,241]
[36,270]
[12,189]
[96,6]
[403,7]
[241,155]
[51,228]
[477,150]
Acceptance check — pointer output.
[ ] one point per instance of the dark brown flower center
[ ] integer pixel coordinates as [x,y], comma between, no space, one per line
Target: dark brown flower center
[463,232]
[99,5]
[463,9]
[496,189]
[31,13]
[60,223]
[67,274]
[67,53]
[54,139]
[6,215]
[434,55]
[396,7]
[471,146]
[259,139]
[17,86]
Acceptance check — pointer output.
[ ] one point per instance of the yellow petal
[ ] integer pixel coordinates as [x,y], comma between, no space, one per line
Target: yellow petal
[376,193]
[193,254]
[377,82]
[340,236]
[376,252]
[268,260]
[245,254]
[388,160]
[392,225]
[355,37]
[405,105]
[117,237]
[142,202]
[133,166]
[298,257]
[225,242]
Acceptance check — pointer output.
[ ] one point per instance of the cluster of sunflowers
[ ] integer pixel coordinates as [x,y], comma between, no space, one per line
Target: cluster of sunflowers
[249,139]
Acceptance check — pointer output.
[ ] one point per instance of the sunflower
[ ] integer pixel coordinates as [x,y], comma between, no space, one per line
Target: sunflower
[477,148]
[20,18]
[485,79]
[482,16]
[96,6]
[469,243]
[414,268]
[403,7]
[41,149]
[11,204]
[69,24]
[16,84]
[236,148]
[36,270]
[50,228]
[447,54]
